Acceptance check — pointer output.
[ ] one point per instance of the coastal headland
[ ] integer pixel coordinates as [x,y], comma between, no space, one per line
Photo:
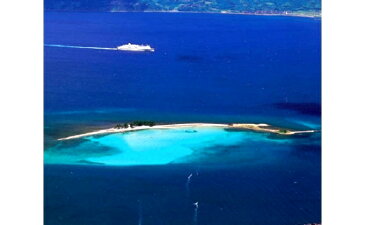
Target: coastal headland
[129,127]
[311,8]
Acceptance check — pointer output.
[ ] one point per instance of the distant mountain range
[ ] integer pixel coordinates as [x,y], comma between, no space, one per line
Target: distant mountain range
[228,6]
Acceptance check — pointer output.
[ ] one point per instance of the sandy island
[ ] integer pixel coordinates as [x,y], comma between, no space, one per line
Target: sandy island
[261,127]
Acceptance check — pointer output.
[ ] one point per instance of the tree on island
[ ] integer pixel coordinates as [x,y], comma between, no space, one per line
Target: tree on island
[118,126]
[135,124]
[283,131]
[142,123]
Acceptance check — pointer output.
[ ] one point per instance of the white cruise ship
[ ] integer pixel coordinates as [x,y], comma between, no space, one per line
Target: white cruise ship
[135,48]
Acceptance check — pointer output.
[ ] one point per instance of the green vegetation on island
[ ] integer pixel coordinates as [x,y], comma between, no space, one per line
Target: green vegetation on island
[133,124]
[285,7]
[283,131]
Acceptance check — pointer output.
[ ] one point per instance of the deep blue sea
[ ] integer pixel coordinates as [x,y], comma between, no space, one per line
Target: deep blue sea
[205,68]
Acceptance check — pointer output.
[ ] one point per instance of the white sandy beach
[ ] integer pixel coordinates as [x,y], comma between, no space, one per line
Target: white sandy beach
[262,127]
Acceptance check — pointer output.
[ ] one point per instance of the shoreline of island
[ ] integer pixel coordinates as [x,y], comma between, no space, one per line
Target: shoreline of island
[259,127]
[305,14]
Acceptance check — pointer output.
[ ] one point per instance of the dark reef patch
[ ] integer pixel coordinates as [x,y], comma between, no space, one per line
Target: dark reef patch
[90,162]
[81,148]
[190,131]
[309,108]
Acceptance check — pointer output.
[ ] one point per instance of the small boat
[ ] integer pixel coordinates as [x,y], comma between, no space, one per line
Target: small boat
[135,48]
[196,204]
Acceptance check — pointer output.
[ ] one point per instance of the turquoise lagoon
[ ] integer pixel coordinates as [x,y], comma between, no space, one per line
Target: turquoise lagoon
[155,146]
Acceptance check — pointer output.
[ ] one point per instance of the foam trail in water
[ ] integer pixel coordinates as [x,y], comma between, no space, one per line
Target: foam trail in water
[72,46]
[195,216]
[139,213]
[187,185]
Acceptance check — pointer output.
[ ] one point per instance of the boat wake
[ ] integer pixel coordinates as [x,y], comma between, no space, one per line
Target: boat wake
[187,185]
[195,216]
[139,213]
[72,46]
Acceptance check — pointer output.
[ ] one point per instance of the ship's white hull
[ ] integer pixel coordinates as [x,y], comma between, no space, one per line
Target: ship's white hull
[135,48]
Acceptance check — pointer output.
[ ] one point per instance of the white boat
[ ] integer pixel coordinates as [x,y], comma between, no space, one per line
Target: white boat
[135,48]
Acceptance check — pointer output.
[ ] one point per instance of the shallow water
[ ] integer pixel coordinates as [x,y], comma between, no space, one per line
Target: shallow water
[156,147]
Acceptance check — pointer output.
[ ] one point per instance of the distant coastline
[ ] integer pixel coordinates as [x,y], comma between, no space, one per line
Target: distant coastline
[306,14]
[261,127]
[307,8]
